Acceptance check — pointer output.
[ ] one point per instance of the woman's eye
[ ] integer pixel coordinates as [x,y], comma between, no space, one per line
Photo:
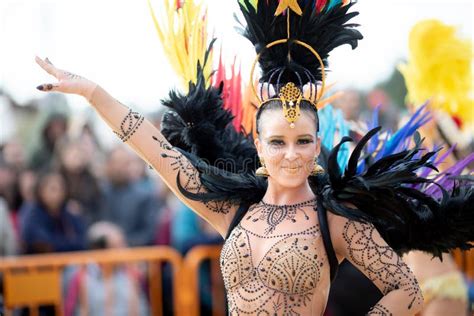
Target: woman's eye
[305,141]
[276,142]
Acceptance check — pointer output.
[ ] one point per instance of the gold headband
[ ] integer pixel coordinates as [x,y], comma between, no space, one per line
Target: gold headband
[290,95]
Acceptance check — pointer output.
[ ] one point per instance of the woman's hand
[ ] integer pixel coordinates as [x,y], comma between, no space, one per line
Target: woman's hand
[67,82]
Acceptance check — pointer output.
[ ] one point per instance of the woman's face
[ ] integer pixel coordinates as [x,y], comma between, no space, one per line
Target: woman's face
[73,158]
[52,192]
[288,153]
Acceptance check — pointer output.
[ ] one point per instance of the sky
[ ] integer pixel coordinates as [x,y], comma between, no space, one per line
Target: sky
[114,43]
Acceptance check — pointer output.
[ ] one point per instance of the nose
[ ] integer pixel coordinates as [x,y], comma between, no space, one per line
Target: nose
[291,153]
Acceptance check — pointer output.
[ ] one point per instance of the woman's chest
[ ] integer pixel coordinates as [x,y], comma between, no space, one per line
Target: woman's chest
[291,259]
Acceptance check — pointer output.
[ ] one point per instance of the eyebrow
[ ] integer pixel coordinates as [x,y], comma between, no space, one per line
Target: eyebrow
[281,136]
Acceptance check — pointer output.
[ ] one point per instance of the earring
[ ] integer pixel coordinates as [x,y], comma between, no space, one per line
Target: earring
[262,171]
[317,169]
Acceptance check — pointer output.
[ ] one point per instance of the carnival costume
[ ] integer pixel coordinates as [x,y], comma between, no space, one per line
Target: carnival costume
[384,178]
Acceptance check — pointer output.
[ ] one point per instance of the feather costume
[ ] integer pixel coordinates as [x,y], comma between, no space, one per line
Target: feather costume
[385,178]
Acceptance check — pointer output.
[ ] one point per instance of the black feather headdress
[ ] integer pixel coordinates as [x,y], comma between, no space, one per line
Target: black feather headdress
[323,25]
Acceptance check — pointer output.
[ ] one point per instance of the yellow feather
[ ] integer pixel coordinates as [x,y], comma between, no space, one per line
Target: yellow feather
[439,68]
[183,35]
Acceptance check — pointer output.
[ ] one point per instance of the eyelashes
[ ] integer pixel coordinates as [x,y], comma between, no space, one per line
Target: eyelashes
[305,141]
[278,142]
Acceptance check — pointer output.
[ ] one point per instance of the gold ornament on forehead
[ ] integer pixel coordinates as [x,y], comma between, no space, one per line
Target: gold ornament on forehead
[290,95]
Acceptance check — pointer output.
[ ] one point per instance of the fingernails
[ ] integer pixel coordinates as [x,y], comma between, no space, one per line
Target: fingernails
[40,87]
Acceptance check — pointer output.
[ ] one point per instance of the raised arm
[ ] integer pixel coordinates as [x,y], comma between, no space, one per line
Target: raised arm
[146,140]
[363,246]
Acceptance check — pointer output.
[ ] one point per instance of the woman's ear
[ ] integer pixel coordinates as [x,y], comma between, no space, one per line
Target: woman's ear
[318,145]
[258,145]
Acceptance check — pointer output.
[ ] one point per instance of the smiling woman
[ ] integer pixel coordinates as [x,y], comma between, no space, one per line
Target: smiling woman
[289,155]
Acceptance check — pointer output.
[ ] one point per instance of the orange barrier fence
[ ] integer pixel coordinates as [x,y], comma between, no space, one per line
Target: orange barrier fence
[36,280]
[192,262]
[465,261]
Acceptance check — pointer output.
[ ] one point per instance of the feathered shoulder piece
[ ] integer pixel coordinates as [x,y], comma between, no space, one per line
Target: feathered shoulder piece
[199,127]
[198,124]
[321,24]
[387,183]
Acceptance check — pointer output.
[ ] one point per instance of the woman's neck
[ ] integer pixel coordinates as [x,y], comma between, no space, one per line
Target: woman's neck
[279,195]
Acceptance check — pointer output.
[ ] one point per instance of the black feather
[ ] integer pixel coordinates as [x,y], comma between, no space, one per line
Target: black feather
[323,31]
[384,194]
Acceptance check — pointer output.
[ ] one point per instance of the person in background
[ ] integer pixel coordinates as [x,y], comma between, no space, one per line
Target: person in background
[188,231]
[14,154]
[123,286]
[54,128]
[126,204]
[84,189]
[50,226]
[26,184]
[139,175]
[10,192]
[8,240]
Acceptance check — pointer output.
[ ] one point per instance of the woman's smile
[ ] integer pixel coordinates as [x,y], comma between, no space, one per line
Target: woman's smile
[292,169]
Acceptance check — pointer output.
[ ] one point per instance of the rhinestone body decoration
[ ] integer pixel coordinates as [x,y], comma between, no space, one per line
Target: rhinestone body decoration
[273,262]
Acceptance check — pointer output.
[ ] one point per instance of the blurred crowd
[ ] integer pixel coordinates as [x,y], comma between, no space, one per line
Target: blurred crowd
[66,191]
[52,195]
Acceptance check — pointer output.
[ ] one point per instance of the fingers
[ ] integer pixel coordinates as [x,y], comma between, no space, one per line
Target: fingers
[47,87]
[47,66]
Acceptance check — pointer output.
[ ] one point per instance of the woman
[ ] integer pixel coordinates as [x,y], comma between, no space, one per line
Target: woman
[84,192]
[49,226]
[280,255]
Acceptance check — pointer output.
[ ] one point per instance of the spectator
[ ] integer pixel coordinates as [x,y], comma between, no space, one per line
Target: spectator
[50,226]
[8,241]
[188,231]
[14,154]
[8,184]
[26,182]
[92,149]
[169,203]
[126,291]
[139,175]
[10,193]
[84,191]
[54,128]
[126,204]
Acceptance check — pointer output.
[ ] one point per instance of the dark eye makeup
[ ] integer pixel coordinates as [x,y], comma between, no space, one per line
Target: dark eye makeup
[280,142]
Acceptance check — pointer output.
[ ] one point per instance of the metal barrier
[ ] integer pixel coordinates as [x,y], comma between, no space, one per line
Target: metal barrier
[192,262]
[35,280]
[465,261]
